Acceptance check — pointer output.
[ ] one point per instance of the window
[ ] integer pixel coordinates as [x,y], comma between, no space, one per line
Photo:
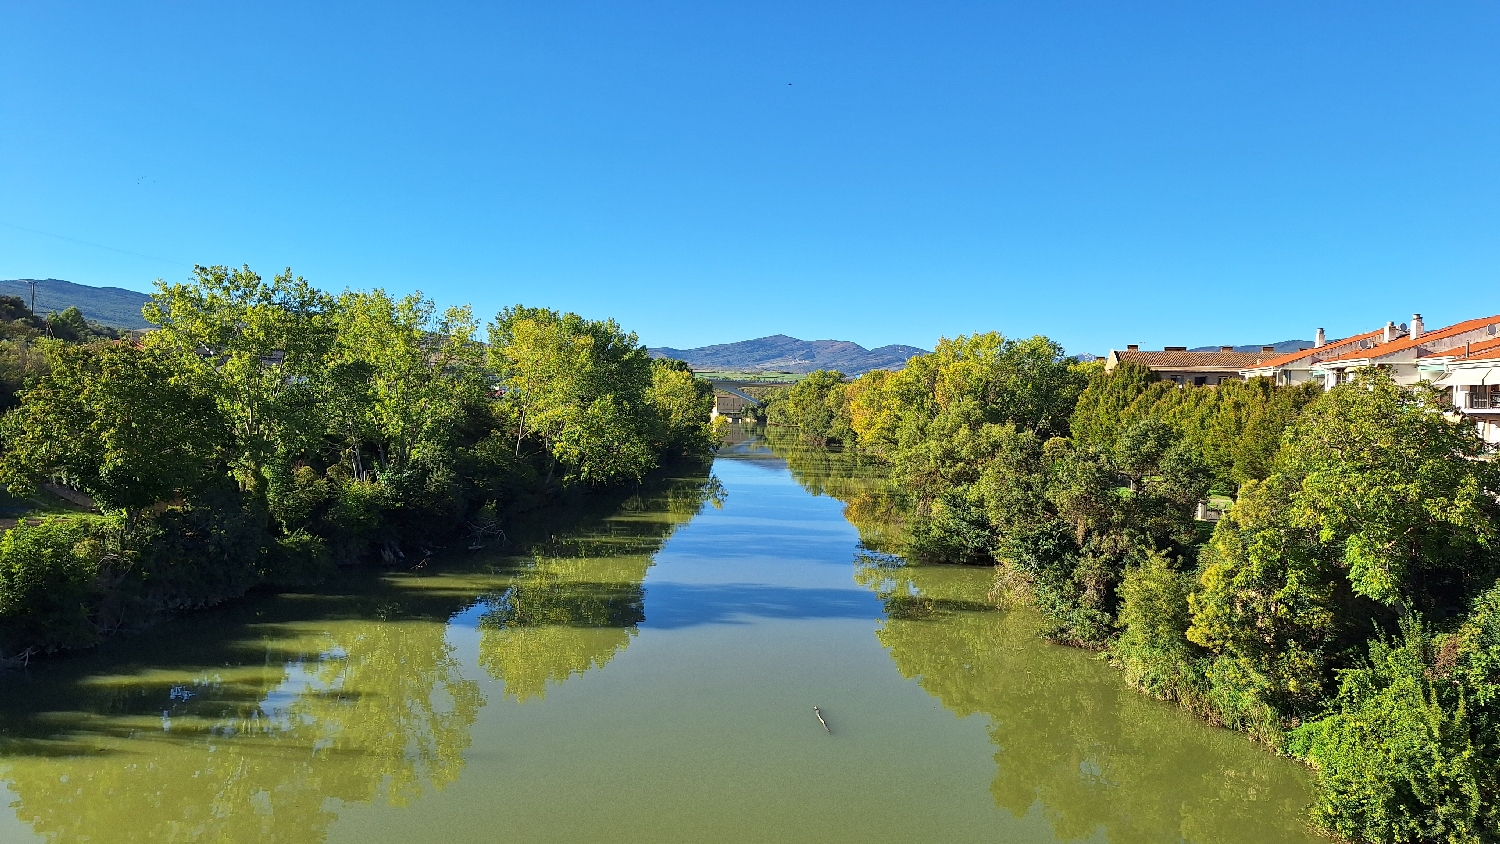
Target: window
[1482,397]
[1199,381]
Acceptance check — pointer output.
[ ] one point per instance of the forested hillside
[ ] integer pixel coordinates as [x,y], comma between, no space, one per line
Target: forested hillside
[1344,611]
[781,353]
[115,307]
[267,431]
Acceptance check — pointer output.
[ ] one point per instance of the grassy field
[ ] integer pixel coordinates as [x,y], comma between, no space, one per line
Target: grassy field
[750,377]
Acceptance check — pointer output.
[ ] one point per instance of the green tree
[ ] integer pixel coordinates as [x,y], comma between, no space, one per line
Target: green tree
[1377,504]
[1235,428]
[935,422]
[683,404]
[580,387]
[403,389]
[1387,479]
[69,324]
[407,379]
[1101,409]
[259,349]
[814,406]
[115,421]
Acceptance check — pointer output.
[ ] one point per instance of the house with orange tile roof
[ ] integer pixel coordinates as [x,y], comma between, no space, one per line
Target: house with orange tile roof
[1410,357]
[1190,369]
[1296,367]
[1473,375]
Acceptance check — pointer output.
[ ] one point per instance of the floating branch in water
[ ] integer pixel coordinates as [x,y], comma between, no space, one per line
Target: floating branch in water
[821,721]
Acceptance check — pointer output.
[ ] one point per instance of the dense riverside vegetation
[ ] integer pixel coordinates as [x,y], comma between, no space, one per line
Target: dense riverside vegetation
[266,431]
[1344,611]
[393,712]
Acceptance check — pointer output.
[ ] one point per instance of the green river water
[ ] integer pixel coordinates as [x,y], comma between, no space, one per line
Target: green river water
[647,674]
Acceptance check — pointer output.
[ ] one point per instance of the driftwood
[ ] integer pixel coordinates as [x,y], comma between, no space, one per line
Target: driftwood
[20,660]
[821,721]
[482,534]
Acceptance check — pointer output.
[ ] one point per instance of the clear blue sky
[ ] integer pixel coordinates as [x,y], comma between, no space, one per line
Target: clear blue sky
[1104,173]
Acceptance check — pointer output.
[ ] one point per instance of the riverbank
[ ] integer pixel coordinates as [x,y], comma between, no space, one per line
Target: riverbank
[1345,602]
[521,528]
[267,433]
[649,676]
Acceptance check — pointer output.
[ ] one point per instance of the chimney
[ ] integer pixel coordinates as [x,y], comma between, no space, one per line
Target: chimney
[1390,332]
[1268,348]
[1416,326]
[1226,348]
[1133,347]
[1321,341]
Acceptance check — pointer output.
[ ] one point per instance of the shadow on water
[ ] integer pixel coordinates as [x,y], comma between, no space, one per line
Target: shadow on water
[254,721]
[260,721]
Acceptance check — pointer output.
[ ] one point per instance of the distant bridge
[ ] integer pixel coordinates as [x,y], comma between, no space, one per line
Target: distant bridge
[730,403]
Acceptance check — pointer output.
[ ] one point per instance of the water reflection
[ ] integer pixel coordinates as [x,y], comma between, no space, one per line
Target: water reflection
[870,504]
[579,601]
[272,720]
[239,751]
[255,723]
[1072,741]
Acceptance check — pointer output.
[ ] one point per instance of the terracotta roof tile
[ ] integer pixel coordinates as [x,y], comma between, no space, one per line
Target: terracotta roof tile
[1487,350]
[1401,345]
[1332,345]
[1194,360]
[1488,354]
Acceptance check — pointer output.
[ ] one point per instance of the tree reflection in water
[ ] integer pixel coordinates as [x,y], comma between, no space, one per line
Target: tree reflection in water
[255,722]
[245,753]
[578,603]
[870,504]
[1072,741]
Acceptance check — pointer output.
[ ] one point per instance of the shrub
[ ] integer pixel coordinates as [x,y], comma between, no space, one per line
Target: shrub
[1153,648]
[1408,754]
[953,530]
[209,549]
[49,575]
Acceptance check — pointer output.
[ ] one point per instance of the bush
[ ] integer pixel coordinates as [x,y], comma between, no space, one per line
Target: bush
[1408,755]
[953,530]
[297,559]
[214,547]
[49,581]
[1153,649]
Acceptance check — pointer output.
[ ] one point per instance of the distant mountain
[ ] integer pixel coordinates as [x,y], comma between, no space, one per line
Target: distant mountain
[1283,347]
[788,354]
[112,306]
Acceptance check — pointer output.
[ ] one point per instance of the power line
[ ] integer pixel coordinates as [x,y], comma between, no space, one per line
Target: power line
[95,245]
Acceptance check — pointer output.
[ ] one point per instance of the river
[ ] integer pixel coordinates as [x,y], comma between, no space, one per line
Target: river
[645,672]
